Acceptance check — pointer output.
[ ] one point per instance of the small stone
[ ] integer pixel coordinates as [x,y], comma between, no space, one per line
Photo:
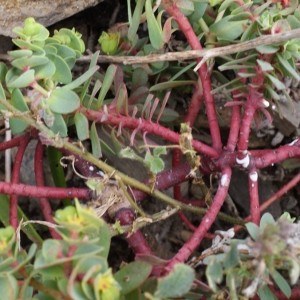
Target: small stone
[14,12]
[290,120]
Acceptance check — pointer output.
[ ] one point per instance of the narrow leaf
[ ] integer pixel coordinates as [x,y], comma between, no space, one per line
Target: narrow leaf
[278,84]
[80,80]
[96,148]
[106,84]
[135,21]
[82,126]
[155,32]
[285,64]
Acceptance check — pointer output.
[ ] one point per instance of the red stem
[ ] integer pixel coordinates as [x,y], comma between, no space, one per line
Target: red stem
[273,198]
[254,197]
[184,253]
[15,176]
[48,192]
[177,153]
[194,42]
[143,125]
[135,240]
[39,178]
[13,142]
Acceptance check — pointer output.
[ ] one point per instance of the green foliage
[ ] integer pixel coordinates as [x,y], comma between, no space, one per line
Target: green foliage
[269,251]
[44,63]
[76,265]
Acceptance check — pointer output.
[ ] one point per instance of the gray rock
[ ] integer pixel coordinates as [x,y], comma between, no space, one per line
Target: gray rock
[290,120]
[14,12]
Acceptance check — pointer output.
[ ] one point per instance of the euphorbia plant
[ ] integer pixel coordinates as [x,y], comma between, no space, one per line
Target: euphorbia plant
[53,102]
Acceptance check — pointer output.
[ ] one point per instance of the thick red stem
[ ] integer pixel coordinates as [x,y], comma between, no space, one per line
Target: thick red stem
[48,192]
[184,253]
[39,178]
[273,198]
[254,197]
[145,126]
[13,209]
[13,142]
[194,42]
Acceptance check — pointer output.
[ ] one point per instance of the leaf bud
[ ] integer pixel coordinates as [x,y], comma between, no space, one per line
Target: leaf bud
[31,27]
[109,42]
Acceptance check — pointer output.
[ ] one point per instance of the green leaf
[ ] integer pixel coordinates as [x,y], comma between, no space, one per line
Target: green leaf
[29,46]
[17,99]
[249,32]
[82,126]
[225,4]
[59,125]
[44,71]
[122,100]
[4,217]
[107,82]
[57,171]
[267,49]
[159,151]
[135,21]
[240,17]
[93,63]
[199,10]
[20,53]
[139,79]
[155,164]
[281,282]
[294,271]
[225,29]
[291,163]
[278,84]
[258,10]
[168,115]
[8,287]
[177,283]
[294,22]
[267,218]
[80,80]
[51,249]
[273,94]
[16,79]
[232,257]
[285,64]
[62,71]
[265,66]
[185,6]
[63,101]
[253,230]
[170,85]
[265,293]
[96,148]
[214,274]
[32,61]
[155,31]
[3,71]
[132,276]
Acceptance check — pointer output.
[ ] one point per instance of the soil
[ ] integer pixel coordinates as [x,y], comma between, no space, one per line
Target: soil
[166,237]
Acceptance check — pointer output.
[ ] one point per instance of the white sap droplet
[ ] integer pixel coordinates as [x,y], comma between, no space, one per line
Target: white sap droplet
[244,161]
[224,180]
[253,176]
[100,173]
[91,168]
[265,103]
